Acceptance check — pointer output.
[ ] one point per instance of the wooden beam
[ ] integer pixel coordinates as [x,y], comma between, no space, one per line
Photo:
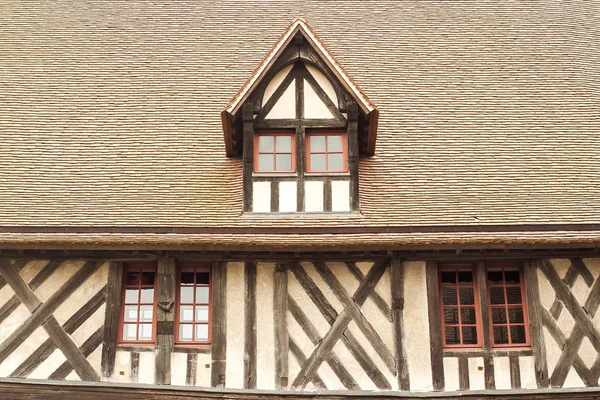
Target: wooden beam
[300,167]
[165,319]
[515,372]
[248,155]
[86,349]
[463,373]
[250,361]
[534,309]
[191,370]
[112,316]
[435,326]
[135,366]
[280,295]
[219,324]
[301,358]
[353,156]
[397,278]
[375,297]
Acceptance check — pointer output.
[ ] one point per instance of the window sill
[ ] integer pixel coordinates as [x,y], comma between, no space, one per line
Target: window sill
[189,348]
[500,352]
[305,214]
[139,347]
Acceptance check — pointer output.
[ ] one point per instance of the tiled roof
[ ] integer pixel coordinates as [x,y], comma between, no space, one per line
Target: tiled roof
[110,111]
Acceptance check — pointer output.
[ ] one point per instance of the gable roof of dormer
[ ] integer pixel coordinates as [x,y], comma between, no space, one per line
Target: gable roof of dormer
[299,25]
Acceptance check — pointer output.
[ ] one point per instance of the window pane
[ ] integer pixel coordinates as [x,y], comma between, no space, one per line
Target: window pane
[469,334]
[513,294]
[148,278]
[187,294]
[465,277]
[146,313]
[498,315]
[283,144]
[497,295]
[283,162]
[187,277]
[334,143]
[335,162]
[448,277]
[147,296]
[201,333]
[202,314]
[145,332]
[517,334]
[317,162]
[512,276]
[452,335]
[202,278]
[515,315]
[130,313]
[451,316]
[185,333]
[202,294]
[186,313]
[133,278]
[132,296]
[467,296]
[266,144]
[449,296]
[500,335]
[495,277]
[265,162]
[467,315]
[129,331]
[317,144]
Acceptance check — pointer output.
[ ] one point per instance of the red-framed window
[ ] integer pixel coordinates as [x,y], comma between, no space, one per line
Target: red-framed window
[460,306]
[138,310]
[507,307]
[275,152]
[194,295]
[326,152]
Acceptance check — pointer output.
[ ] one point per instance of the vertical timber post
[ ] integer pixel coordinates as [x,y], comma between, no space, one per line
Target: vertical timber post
[535,320]
[353,154]
[165,319]
[280,301]
[248,153]
[435,326]
[219,325]
[112,316]
[250,326]
[488,361]
[397,275]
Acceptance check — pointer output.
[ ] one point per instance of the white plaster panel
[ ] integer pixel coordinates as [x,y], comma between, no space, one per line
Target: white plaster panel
[382,326]
[58,278]
[6,293]
[73,377]
[353,367]
[566,322]
[329,377]
[366,344]
[451,374]
[340,196]
[265,335]
[561,265]
[324,287]
[476,374]
[293,368]
[323,82]
[235,325]
[580,290]
[313,196]
[364,266]
[593,264]
[298,336]
[287,196]
[147,365]
[122,371]
[587,352]
[32,269]
[553,352]
[313,105]
[384,287]
[547,294]
[203,370]
[573,380]
[417,326]
[261,196]
[527,369]
[95,359]
[13,321]
[502,372]
[27,346]
[296,291]
[51,364]
[275,83]
[343,274]
[91,325]
[178,368]
[286,105]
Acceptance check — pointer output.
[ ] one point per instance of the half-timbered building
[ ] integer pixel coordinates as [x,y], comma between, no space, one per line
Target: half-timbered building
[286,199]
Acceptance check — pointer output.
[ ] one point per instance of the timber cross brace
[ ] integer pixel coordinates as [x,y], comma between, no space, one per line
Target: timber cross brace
[313,285]
[42,315]
[583,321]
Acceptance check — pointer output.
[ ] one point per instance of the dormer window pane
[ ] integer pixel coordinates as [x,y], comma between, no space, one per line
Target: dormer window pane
[327,152]
[265,144]
[334,143]
[335,162]
[283,162]
[274,152]
[283,144]
[317,144]
[265,162]
[318,162]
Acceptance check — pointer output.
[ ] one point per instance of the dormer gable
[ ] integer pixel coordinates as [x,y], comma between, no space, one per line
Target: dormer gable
[300,124]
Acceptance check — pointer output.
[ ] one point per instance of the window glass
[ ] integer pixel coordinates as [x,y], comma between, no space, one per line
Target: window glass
[138,309]
[274,152]
[284,144]
[317,144]
[507,308]
[194,305]
[265,144]
[326,152]
[458,298]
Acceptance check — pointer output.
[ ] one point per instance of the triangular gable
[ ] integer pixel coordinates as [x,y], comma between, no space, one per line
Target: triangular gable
[230,116]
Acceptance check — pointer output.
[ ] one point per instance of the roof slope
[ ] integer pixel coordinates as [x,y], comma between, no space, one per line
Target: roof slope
[110,111]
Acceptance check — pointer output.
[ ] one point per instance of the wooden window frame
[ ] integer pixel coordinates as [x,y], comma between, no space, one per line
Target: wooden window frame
[140,268]
[327,133]
[478,323]
[257,153]
[503,266]
[196,267]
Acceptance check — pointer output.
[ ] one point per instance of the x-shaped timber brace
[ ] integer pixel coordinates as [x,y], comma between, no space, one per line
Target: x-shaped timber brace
[42,315]
[339,324]
[583,317]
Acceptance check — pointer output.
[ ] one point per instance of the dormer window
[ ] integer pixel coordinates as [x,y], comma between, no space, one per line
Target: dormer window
[300,124]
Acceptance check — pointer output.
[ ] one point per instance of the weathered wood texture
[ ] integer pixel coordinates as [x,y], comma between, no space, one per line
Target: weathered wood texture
[248,154]
[219,324]
[353,154]
[112,317]
[280,295]
[397,278]
[250,326]
[435,326]
[534,309]
[165,319]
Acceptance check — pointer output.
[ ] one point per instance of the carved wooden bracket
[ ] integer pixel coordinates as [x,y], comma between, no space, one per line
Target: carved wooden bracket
[166,305]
